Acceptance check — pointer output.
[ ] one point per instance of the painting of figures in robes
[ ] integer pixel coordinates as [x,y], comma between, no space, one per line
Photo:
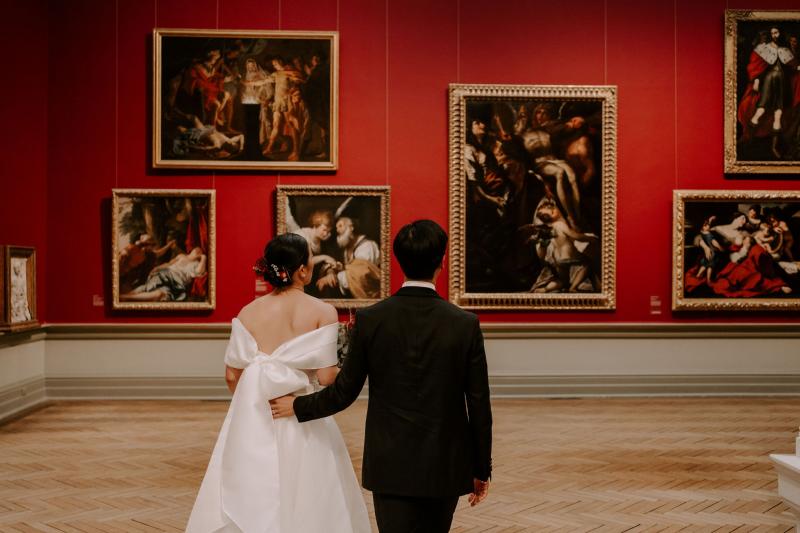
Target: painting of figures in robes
[163,249]
[532,197]
[736,250]
[246,100]
[347,229]
[762,92]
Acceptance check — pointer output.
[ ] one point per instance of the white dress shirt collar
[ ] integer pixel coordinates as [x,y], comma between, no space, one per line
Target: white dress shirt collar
[424,284]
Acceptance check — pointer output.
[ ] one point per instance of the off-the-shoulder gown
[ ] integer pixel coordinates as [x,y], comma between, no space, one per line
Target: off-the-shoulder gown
[278,476]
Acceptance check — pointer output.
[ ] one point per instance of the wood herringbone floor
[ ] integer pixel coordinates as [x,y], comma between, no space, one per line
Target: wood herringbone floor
[600,465]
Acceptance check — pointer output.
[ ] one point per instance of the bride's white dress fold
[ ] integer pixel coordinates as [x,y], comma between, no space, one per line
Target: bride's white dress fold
[278,476]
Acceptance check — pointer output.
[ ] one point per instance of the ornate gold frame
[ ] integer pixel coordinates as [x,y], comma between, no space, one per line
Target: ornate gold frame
[6,253]
[212,257]
[731,164]
[283,193]
[331,164]
[682,303]
[606,298]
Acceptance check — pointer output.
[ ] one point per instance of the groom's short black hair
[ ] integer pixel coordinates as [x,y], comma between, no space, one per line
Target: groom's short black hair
[419,248]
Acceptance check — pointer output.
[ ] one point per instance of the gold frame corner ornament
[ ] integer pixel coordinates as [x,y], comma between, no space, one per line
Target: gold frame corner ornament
[159,162]
[209,305]
[731,163]
[384,192]
[605,300]
[682,303]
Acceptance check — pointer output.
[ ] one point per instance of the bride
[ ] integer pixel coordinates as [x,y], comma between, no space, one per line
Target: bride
[280,476]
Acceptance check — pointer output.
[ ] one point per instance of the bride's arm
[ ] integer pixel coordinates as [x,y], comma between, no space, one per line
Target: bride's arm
[232,376]
[327,375]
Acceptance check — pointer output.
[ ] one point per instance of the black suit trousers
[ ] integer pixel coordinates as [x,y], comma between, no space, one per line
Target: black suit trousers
[406,514]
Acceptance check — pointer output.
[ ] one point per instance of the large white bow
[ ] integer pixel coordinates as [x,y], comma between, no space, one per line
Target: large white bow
[249,469]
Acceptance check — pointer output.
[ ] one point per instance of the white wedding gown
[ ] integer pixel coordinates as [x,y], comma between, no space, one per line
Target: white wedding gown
[278,476]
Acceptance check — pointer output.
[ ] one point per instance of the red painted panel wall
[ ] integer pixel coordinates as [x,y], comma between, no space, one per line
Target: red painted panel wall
[23,149]
[396,58]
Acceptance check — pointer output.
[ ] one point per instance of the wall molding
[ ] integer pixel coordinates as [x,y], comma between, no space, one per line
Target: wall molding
[491,330]
[94,346]
[21,397]
[531,386]
[137,388]
[562,386]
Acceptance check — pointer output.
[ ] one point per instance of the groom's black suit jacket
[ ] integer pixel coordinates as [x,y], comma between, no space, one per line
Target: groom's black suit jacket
[429,421]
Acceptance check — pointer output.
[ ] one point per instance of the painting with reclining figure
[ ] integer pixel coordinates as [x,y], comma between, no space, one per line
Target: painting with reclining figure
[532,196]
[736,250]
[163,249]
[245,99]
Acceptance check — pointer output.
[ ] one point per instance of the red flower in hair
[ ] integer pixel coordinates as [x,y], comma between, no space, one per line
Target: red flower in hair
[260,267]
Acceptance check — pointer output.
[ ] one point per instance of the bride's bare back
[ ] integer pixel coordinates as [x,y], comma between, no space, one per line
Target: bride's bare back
[279,317]
[283,315]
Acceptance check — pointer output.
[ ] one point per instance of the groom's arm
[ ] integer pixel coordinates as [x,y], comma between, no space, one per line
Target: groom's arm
[344,390]
[479,408]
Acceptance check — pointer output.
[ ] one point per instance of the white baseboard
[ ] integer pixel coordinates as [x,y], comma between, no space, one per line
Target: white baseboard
[137,388]
[18,398]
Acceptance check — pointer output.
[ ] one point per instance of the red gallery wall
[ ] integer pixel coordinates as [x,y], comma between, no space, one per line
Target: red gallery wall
[397,58]
[23,150]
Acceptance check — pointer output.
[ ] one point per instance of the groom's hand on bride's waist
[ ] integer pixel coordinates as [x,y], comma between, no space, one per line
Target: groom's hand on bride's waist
[282,407]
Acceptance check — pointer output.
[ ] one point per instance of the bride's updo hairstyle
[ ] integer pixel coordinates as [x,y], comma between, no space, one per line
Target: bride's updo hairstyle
[283,255]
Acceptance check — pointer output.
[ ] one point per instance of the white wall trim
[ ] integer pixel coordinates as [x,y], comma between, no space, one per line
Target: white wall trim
[184,361]
[21,397]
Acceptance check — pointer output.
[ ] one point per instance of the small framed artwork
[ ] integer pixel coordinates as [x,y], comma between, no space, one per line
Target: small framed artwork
[256,100]
[736,250]
[18,290]
[163,249]
[348,231]
[532,197]
[762,92]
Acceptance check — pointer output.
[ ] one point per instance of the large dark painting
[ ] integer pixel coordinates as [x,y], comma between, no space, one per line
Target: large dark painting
[532,196]
[255,100]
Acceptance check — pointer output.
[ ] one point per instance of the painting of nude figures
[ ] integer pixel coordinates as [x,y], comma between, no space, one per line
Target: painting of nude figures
[245,99]
[736,250]
[762,92]
[532,196]
[163,249]
[347,229]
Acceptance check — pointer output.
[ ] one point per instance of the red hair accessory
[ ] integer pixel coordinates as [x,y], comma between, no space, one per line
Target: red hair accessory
[260,267]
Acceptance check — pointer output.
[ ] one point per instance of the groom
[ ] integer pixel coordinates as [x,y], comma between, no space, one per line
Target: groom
[429,422]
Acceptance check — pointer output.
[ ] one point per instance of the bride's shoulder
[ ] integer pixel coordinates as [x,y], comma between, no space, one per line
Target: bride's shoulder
[252,309]
[323,311]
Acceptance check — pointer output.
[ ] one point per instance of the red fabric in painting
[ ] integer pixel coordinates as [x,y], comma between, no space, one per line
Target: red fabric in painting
[197,230]
[747,106]
[754,276]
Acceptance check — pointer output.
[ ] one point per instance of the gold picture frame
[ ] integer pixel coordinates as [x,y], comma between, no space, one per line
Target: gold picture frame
[304,210]
[759,148]
[733,251]
[163,241]
[18,288]
[202,79]
[511,108]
